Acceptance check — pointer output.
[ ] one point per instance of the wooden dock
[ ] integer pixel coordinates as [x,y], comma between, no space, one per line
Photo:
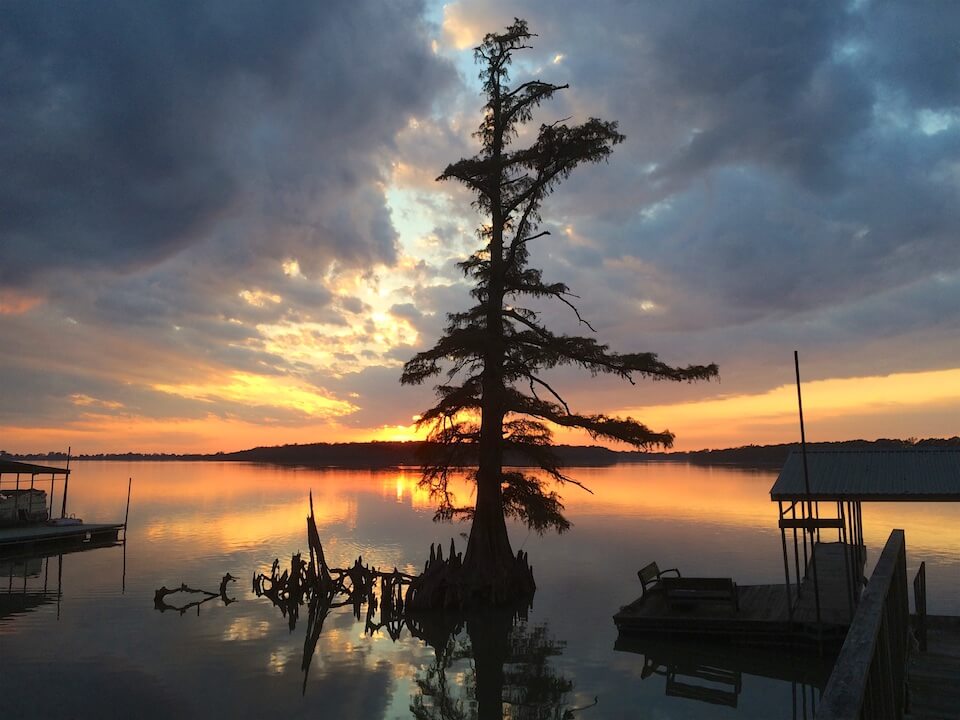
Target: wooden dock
[764,616]
[38,538]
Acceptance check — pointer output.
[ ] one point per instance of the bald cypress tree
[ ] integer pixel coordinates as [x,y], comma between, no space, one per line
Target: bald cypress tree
[495,398]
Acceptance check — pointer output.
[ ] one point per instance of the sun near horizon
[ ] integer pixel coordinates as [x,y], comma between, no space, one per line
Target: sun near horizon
[901,405]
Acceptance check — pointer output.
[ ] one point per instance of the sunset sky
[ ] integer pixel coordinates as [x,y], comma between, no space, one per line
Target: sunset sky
[220,225]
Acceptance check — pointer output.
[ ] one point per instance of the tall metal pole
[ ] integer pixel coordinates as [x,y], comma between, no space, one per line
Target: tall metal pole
[806,485]
[803,434]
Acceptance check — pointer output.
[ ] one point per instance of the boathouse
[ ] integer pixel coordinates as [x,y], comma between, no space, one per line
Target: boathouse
[819,496]
[821,491]
[23,492]
[885,666]
[29,519]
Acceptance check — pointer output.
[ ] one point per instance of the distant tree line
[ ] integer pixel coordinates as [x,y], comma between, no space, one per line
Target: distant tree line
[398,454]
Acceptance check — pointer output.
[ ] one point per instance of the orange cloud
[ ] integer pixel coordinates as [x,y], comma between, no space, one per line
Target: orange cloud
[921,404]
[13,303]
[840,404]
[267,391]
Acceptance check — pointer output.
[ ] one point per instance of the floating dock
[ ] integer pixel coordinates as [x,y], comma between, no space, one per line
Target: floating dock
[38,538]
[767,614]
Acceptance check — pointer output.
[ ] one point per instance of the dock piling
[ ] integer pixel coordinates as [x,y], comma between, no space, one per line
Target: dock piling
[66,486]
[126,514]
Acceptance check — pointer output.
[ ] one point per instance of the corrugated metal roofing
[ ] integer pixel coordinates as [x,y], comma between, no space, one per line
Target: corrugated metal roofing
[12,466]
[911,474]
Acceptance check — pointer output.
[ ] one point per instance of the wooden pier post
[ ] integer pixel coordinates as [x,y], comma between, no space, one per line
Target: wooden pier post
[126,515]
[66,486]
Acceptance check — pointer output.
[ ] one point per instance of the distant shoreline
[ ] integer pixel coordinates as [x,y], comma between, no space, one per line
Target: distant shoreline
[376,455]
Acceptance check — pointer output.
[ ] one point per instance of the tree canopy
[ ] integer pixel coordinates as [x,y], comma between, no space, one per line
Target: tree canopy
[493,358]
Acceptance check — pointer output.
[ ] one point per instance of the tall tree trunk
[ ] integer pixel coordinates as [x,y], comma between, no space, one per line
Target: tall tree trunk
[489,557]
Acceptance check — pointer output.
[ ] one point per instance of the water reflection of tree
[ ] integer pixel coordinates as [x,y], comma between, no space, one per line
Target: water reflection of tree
[506,672]
[506,660]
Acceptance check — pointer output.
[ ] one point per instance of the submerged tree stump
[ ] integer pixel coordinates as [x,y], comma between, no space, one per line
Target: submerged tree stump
[449,584]
[445,584]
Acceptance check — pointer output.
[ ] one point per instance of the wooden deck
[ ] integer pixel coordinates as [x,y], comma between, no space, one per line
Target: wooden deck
[31,538]
[933,677]
[764,616]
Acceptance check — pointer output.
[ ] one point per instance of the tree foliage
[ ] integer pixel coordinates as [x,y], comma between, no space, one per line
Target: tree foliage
[494,399]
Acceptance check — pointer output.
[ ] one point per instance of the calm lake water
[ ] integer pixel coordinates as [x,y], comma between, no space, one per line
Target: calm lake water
[99,649]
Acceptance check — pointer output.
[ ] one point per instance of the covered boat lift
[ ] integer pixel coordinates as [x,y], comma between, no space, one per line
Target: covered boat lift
[820,491]
[22,480]
[33,523]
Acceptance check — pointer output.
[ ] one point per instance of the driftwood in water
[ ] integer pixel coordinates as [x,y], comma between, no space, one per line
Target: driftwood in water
[324,588]
[160,596]
[444,584]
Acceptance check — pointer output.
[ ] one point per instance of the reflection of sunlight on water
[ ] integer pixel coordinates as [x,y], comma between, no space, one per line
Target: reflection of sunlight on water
[404,485]
[245,628]
[249,527]
[728,496]
[277,662]
[191,522]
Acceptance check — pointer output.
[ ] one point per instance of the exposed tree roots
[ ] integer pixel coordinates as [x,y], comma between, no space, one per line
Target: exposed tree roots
[445,584]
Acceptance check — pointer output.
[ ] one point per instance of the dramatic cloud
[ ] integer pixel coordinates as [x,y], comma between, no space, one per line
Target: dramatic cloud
[132,133]
[778,160]
[195,195]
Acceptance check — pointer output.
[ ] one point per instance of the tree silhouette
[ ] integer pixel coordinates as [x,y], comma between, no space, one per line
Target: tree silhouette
[496,398]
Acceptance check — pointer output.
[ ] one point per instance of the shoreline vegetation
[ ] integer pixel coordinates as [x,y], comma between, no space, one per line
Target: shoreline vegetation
[375,455]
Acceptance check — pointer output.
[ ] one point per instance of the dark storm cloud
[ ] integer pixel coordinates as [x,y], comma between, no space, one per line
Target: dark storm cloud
[781,143]
[128,132]
[913,47]
[789,180]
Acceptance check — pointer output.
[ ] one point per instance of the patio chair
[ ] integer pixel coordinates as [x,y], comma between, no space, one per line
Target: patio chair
[650,577]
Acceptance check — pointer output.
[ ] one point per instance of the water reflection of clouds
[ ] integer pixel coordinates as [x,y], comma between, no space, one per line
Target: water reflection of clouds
[208,518]
[243,629]
[246,527]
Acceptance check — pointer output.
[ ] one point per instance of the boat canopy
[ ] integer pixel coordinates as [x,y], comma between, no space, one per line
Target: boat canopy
[890,475]
[23,468]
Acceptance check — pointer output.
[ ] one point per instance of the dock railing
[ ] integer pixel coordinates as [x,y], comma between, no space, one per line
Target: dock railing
[868,679]
[920,601]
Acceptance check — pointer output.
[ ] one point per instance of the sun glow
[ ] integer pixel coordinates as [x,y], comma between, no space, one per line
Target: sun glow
[458,29]
[771,416]
[266,391]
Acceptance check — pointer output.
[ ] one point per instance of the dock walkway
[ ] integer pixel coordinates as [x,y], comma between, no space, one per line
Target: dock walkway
[834,577]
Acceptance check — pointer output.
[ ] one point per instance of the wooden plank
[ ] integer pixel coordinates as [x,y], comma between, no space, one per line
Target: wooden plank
[684,590]
[833,582]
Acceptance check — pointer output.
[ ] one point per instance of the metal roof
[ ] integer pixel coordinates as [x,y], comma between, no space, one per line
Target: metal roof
[12,466]
[894,475]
